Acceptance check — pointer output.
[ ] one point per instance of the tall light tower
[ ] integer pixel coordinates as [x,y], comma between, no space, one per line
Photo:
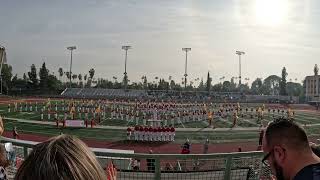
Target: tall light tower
[71,48]
[126,48]
[240,53]
[186,64]
[3,60]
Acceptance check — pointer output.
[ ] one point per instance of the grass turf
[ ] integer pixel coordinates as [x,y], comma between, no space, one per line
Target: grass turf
[301,117]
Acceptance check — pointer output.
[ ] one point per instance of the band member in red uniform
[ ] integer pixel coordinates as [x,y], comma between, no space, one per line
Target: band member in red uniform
[147,134]
[159,134]
[163,131]
[154,134]
[172,133]
[129,133]
[136,133]
[86,123]
[141,133]
[150,133]
[92,123]
[167,133]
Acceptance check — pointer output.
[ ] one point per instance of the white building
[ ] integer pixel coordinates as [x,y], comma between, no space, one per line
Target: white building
[313,88]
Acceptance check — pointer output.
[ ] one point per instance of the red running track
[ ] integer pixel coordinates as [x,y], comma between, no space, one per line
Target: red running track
[144,147]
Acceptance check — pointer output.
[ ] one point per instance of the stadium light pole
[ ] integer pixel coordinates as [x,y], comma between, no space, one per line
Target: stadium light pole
[3,60]
[126,48]
[185,68]
[240,53]
[71,48]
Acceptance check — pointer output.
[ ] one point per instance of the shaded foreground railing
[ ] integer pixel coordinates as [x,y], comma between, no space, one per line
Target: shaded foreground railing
[224,166]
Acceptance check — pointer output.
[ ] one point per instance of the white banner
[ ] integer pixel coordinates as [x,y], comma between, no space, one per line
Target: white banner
[75,123]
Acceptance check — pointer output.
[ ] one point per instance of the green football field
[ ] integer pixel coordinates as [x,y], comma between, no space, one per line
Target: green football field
[199,130]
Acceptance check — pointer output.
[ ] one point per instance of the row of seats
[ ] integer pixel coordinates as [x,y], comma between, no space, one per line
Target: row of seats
[98,92]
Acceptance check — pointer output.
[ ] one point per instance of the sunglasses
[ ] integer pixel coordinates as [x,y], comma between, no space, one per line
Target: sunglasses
[265,158]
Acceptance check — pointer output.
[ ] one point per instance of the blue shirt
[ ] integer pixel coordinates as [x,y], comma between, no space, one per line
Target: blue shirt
[310,172]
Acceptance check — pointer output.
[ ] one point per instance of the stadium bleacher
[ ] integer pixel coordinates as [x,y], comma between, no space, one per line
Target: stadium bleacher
[101,93]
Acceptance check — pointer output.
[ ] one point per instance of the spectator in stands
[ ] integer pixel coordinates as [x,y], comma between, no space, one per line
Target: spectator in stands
[168,167]
[61,157]
[1,126]
[15,133]
[136,164]
[288,152]
[151,163]
[4,163]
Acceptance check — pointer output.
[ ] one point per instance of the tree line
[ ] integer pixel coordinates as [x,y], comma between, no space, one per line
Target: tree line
[44,81]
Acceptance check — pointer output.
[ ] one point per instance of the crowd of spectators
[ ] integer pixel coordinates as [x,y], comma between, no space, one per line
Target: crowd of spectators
[61,157]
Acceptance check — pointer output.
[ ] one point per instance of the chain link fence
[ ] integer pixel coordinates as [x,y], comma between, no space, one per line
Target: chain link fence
[227,166]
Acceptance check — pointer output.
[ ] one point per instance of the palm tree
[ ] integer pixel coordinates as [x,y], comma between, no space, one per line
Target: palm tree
[91,73]
[60,70]
[67,75]
[80,78]
[85,78]
[115,79]
[74,76]
[191,83]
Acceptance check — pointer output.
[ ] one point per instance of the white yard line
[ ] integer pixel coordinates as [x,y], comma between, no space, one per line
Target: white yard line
[223,120]
[248,121]
[181,123]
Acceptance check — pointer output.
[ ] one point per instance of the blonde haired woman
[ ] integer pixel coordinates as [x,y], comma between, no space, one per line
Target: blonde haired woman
[61,157]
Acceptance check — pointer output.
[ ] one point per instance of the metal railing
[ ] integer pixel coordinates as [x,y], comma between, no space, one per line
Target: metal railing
[224,166]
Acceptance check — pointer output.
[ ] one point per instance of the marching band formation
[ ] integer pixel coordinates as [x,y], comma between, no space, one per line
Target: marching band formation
[153,120]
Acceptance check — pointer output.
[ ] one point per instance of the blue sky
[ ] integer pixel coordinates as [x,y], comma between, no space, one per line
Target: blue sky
[273,33]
